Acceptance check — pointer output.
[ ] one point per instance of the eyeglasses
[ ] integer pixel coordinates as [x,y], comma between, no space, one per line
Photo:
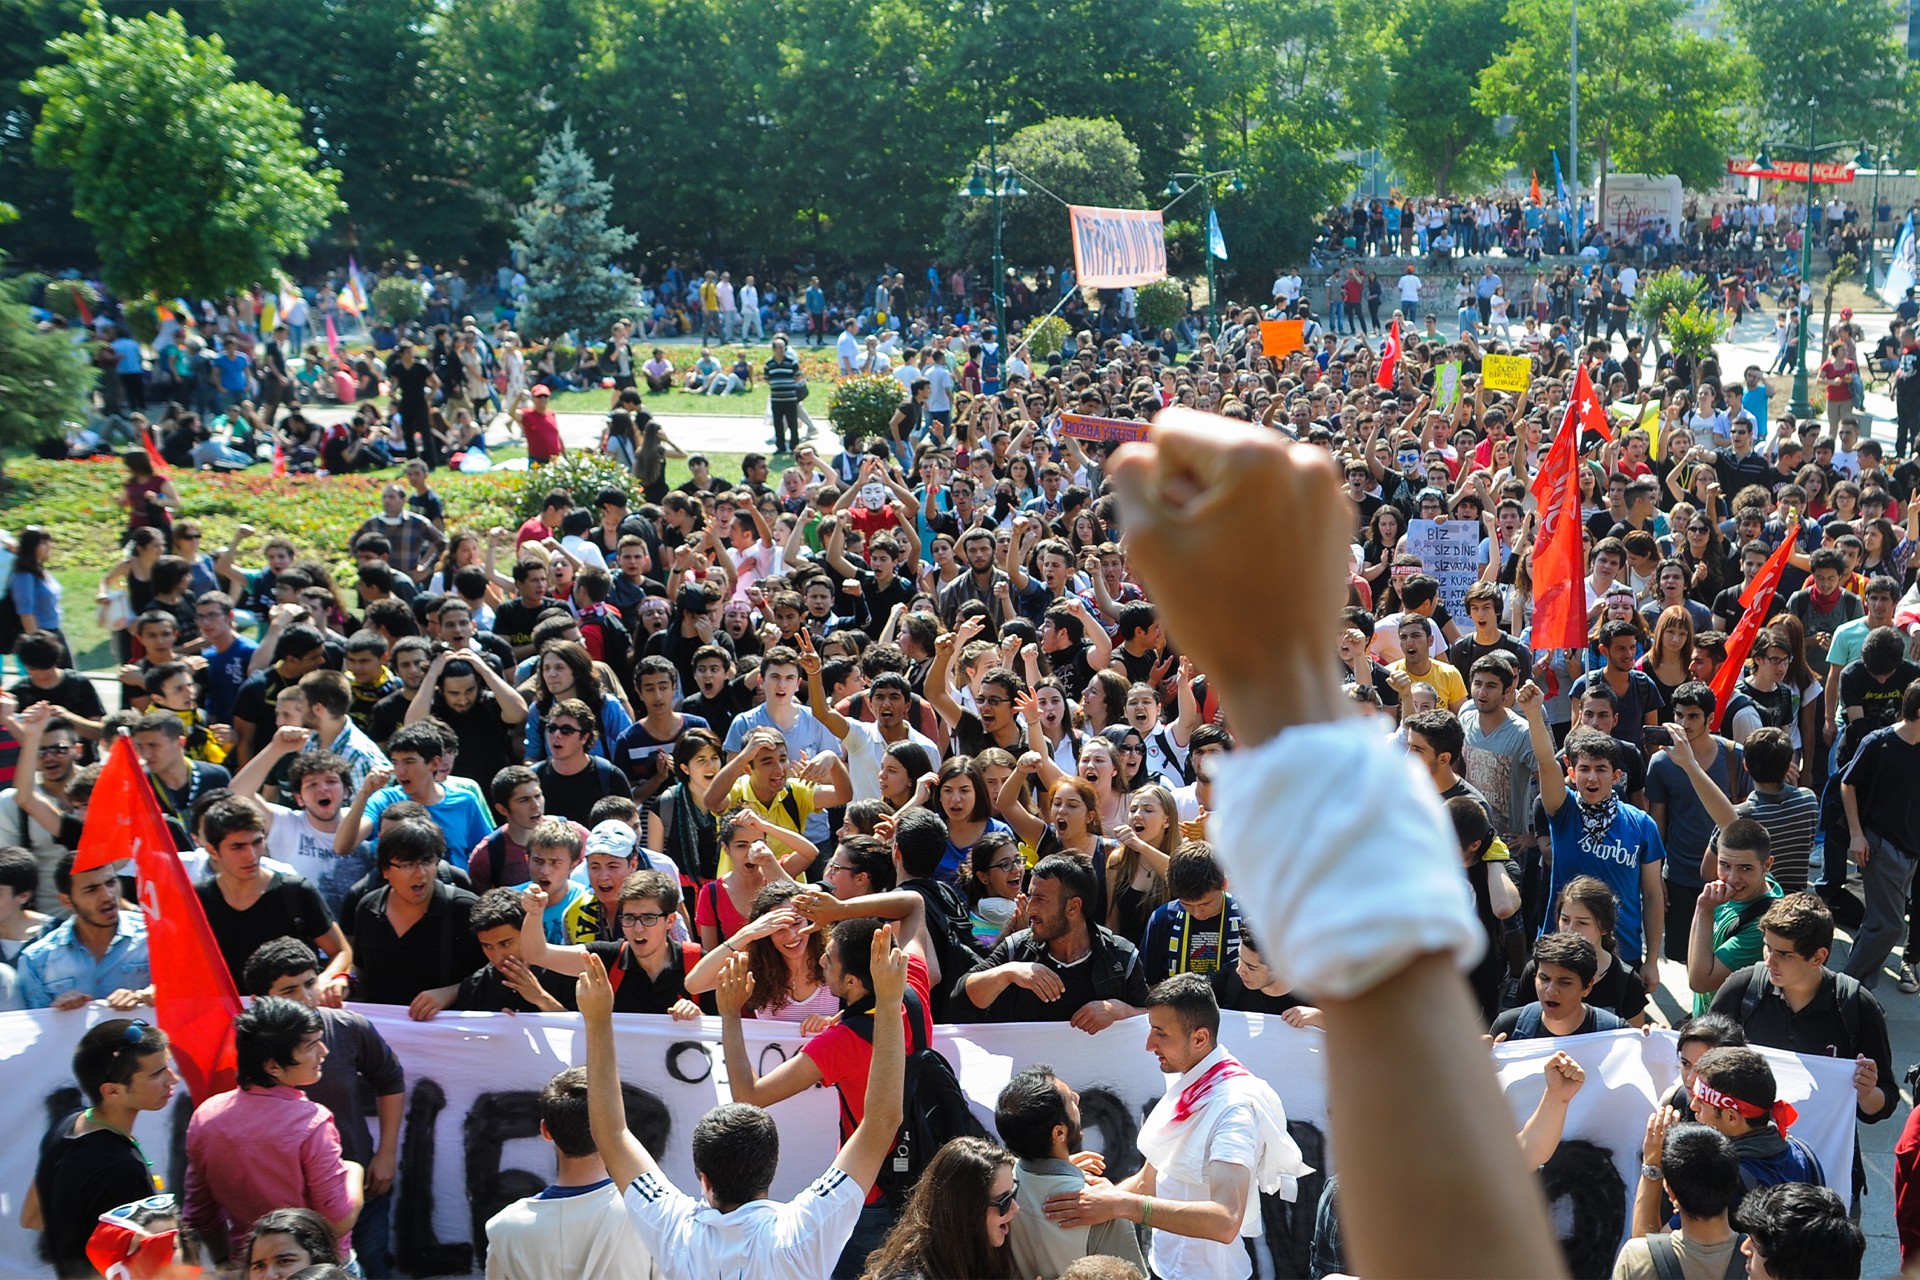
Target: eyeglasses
[645,919]
[564,731]
[56,748]
[1003,1204]
[1005,865]
[996,702]
[1132,749]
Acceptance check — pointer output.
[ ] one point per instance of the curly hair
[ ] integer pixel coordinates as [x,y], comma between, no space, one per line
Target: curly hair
[772,978]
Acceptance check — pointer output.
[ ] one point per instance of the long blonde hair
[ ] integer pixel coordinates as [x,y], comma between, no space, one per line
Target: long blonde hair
[1122,870]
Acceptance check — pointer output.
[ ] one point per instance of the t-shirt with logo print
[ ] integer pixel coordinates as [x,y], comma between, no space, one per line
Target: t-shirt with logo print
[1631,842]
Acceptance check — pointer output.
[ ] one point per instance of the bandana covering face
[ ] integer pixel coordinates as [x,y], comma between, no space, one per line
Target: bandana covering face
[1783,1114]
[1595,819]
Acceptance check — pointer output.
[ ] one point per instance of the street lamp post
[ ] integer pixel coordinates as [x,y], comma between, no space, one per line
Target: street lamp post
[996,182]
[1204,180]
[1801,405]
[1879,164]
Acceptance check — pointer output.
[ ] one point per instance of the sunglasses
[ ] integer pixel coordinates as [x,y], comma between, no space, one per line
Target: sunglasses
[1003,1204]
[564,731]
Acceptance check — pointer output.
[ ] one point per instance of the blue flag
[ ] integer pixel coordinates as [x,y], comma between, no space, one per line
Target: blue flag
[1559,183]
[1216,243]
[1902,268]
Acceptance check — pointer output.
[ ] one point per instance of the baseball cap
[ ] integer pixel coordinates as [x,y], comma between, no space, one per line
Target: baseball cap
[540,389]
[611,837]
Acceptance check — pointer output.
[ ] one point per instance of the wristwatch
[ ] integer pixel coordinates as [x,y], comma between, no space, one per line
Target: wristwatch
[1650,1172]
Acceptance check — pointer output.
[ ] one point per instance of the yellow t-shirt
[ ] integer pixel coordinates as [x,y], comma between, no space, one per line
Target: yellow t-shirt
[792,806]
[1445,680]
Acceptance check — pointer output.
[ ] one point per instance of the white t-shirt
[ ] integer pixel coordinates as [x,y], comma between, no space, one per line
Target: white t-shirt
[939,389]
[1409,288]
[864,746]
[848,347]
[906,375]
[578,1232]
[763,1240]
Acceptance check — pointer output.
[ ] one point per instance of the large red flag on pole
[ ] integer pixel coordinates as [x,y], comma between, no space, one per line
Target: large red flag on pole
[1389,358]
[1559,554]
[160,467]
[194,999]
[1756,599]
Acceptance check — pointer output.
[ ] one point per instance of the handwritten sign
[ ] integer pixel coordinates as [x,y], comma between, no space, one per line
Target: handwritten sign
[1084,426]
[1450,551]
[1448,386]
[1282,337]
[1113,248]
[1506,373]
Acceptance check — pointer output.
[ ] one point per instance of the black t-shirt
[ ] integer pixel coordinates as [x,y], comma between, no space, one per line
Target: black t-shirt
[177,803]
[515,620]
[78,1180]
[1508,1023]
[1231,993]
[573,796]
[437,951]
[254,704]
[427,505]
[290,908]
[1879,702]
[488,743]
[485,990]
[719,711]
[388,715]
[1466,651]
[634,991]
[1124,979]
[409,382]
[74,693]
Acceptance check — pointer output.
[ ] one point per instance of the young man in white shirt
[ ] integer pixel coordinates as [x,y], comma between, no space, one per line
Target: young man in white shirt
[738,1232]
[578,1225]
[1211,1145]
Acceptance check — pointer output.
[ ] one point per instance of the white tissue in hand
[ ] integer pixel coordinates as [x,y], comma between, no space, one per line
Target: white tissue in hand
[1341,857]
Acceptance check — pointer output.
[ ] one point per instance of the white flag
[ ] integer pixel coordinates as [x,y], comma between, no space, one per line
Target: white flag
[1902,269]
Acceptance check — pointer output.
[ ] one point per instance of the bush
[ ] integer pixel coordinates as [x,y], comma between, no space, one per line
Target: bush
[63,297]
[398,299]
[579,472]
[862,407]
[1048,336]
[1160,305]
[142,318]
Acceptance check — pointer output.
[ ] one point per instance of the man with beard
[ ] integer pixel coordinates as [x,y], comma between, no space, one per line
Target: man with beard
[97,953]
[1038,1117]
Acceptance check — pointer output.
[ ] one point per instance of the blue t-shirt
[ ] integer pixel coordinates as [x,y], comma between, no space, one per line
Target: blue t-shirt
[460,817]
[1631,842]
[226,672]
[37,596]
[232,368]
[1642,696]
[1754,401]
[1689,826]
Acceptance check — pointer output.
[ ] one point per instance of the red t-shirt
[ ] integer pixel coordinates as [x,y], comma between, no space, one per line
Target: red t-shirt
[543,435]
[843,1057]
[713,906]
[869,521]
[534,530]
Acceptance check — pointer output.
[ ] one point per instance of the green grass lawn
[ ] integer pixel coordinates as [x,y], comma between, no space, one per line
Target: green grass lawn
[75,502]
[753,403]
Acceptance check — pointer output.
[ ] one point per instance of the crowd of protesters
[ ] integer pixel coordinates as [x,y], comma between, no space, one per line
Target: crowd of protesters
[899,734]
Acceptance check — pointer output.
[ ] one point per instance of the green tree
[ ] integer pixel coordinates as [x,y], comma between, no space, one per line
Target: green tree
[1436,52]
[1080,161]
[569,245]
[398,299]
[193,182]
[44,378]
[1654,97]
[1849,56]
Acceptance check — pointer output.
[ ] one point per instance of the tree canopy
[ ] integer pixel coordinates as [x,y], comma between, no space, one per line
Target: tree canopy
[193,181]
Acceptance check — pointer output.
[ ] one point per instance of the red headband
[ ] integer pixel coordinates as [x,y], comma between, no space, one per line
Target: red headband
[1783,1114]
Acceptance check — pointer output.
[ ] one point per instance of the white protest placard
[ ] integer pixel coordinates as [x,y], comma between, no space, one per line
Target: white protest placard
[471,1143]
[1450,551]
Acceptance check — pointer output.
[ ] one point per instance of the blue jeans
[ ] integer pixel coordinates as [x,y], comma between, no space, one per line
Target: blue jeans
[373,1237]
[869,1232]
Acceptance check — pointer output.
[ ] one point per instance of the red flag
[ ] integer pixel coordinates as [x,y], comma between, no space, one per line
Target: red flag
[1389,359]
[80,305]
[195,1001]
[279,461]
[1533,191]
[1559,554]
[1756,598]
[1586,401]
[160,467]
[333,340]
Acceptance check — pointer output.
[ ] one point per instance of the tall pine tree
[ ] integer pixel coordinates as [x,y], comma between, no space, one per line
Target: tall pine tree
[570,246]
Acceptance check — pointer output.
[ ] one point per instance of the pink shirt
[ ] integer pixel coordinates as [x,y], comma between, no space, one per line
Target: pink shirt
[255,1150]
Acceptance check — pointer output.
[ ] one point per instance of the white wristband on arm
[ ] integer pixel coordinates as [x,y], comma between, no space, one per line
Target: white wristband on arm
[1342,857]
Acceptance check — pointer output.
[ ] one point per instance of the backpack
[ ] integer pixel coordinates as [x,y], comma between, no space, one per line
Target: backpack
[10,628]
[1846,995]
[936,1107]
[1666,1259]
[950,925]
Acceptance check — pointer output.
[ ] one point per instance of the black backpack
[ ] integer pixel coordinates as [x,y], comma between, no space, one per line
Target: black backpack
[936,1108]
[950,926]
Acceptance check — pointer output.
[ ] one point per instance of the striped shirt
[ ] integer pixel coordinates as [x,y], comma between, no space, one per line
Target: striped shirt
[1791,815]
[783,378]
